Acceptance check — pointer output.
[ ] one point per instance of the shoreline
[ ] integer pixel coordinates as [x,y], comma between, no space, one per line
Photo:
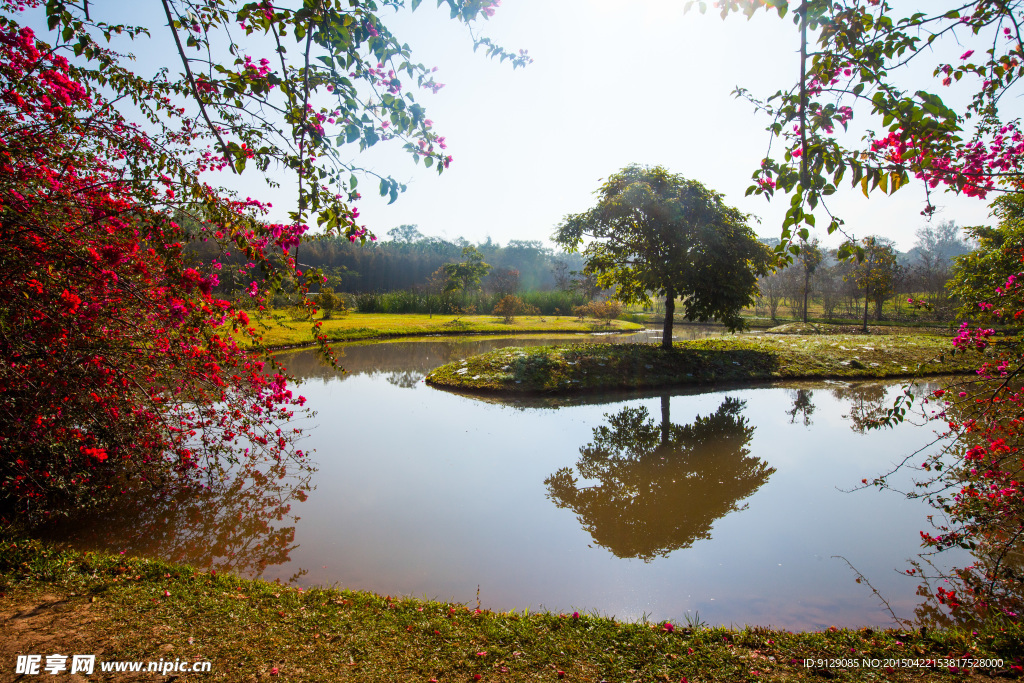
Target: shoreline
[134,609]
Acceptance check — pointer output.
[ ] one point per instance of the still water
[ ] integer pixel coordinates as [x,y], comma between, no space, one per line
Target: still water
[738,506]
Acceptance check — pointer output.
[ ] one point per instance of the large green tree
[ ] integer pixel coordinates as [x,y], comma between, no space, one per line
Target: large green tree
[655,231]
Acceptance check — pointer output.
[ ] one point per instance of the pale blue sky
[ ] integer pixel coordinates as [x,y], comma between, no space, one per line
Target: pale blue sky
[609,87]
[613,83]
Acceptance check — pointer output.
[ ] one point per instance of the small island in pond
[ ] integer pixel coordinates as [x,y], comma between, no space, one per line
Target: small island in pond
[600,367]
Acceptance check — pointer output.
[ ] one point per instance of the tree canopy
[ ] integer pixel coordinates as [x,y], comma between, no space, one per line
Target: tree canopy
[654,231]
[467,273]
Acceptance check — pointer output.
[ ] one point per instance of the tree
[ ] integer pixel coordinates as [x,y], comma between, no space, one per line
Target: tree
[560,271]
[977,278]
[510,306]
[585,283]
[828,284]
[406,234]
[329,302]
[504,281]
[771,288]
[119,363]
[941,242]
[875,274]
[855,70]
[937,245]
[465,276]
[654,231]
[809,258]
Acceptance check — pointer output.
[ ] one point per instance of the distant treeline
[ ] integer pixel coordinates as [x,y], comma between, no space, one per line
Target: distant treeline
[835,289]
[408,259]
[552,302]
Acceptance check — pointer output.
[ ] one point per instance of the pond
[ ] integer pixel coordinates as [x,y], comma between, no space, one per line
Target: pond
[730,505]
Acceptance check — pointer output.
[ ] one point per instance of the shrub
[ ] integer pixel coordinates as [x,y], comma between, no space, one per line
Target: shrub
[510,306]
[602,310]
[331,303]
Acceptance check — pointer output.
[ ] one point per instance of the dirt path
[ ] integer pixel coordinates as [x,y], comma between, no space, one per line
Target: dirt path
[46,624]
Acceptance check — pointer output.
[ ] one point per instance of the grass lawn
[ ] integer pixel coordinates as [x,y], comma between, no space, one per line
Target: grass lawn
[280,331]
[128,609]
[594,367]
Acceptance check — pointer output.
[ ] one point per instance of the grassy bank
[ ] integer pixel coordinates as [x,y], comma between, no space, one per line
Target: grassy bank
[594,367]
[280,331]
[124,608]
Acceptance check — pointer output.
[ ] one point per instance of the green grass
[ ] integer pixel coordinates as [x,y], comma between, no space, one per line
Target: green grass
[594,367]
[281,331]
[137,609]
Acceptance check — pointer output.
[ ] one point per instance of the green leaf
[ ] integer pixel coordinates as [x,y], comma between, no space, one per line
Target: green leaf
[895,180]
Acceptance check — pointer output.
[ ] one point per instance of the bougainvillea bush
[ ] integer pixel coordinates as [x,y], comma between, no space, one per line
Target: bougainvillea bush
[119,366]
[858,114]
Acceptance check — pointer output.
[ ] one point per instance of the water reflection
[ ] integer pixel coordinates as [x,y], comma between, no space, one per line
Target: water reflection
[425,493]
[406,379]
[405,363]
[994,582]
[803,406]
[866,402]
[243,522]
[660,488]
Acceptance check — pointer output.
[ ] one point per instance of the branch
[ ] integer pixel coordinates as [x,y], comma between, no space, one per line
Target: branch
[192,84]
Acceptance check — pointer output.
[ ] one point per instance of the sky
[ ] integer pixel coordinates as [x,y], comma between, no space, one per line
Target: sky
[609,87]
[612,83]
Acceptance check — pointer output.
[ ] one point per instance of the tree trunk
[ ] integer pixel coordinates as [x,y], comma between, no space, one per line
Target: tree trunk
[670,307]
[665,420]
[867,296]
[807,289]
[867,300]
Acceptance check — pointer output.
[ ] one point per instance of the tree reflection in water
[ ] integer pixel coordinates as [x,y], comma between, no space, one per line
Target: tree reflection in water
[242,523]
[867,401]
[660,488]
[802,406]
